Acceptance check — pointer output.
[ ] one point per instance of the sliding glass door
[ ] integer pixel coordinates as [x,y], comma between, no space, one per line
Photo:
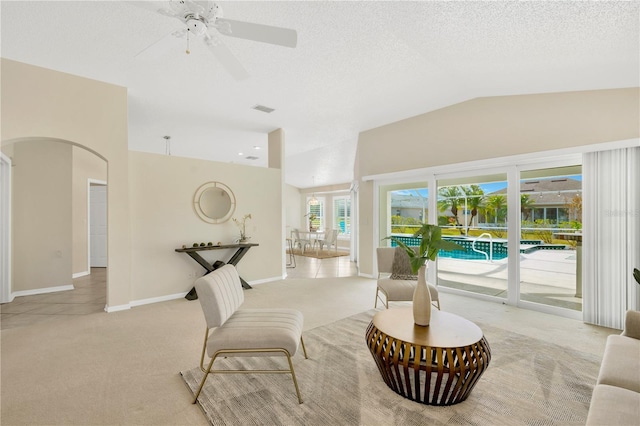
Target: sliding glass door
[551,236]
[403,209]
[520,226]
[473,212]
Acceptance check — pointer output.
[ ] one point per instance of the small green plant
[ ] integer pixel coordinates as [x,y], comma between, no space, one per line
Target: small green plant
[636,275]
[430,243]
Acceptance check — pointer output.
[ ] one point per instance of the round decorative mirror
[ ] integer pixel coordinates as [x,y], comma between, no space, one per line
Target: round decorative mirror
[214,202]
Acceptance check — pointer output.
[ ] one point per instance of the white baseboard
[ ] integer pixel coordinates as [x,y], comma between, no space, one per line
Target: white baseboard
[110,309]
[41,291]
[80,274]
[157,299]
[168,297]
[266,280]
[360,274]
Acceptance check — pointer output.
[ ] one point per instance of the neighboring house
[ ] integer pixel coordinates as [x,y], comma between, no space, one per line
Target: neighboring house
[550,199]
[410,205]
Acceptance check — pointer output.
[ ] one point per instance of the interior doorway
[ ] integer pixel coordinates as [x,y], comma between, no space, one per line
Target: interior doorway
[97,224]
[61,184]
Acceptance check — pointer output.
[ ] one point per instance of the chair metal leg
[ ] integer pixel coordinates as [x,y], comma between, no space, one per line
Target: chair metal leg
[204,379]
[386,301]
[304,349]
[293,376]
[204,349]
[232,351]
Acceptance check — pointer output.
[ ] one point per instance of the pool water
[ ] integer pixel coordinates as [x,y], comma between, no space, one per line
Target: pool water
[499,248]
[470,255]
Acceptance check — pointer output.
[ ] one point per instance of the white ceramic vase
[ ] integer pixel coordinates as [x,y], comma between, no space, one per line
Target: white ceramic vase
[422,300]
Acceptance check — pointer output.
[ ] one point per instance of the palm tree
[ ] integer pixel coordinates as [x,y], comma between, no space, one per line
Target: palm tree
[451,197]
[526,204]
[497,204]
[475,199]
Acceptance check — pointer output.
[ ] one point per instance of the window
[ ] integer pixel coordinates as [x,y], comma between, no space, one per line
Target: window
[315,213]
[342,215]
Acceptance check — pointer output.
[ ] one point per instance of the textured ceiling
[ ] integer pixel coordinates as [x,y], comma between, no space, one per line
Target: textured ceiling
[357,66]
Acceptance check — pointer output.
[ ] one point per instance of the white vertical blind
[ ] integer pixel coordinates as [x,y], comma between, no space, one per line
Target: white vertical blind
[611,235]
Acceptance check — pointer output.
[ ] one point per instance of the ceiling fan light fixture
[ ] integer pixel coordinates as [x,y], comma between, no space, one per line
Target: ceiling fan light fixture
[313,201]
[196,27]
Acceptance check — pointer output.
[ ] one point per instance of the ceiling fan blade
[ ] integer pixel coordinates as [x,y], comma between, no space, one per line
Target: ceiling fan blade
[226,58]
[257,32]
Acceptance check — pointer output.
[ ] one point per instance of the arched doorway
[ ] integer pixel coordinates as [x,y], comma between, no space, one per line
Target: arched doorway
[49,223]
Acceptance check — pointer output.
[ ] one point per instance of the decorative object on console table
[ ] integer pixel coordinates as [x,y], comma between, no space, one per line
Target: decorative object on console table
[430,243]
[242,225]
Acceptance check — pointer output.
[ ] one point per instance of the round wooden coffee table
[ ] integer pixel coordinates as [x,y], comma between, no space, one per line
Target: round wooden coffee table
[436,365]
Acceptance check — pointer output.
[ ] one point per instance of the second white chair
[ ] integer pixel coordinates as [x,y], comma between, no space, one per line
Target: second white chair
[396,290]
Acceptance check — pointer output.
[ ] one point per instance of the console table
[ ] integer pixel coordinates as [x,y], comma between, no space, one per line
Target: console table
[435,365]
[242,249]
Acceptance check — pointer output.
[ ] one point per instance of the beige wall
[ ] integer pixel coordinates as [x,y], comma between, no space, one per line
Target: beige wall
[486,128]
[156,202]
[41,215]
[41,103]
[163,219]
[292,209]
[86,165]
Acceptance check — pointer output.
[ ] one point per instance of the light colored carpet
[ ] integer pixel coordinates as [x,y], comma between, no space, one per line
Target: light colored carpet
[528,382]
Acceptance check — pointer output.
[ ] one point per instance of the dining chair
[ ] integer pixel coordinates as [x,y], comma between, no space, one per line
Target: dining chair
[330,238]
[300,242]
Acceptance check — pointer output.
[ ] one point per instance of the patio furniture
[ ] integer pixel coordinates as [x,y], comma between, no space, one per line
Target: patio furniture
[436,365]
[234,332]
[396,290]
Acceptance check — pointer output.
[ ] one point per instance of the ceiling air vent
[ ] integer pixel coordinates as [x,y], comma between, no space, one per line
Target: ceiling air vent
[251,157]
[263,108]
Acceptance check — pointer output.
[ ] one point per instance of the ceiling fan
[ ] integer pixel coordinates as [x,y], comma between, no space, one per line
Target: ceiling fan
[202,17]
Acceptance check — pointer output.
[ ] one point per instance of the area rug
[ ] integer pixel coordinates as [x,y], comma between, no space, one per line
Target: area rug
[321,254]
[528,382]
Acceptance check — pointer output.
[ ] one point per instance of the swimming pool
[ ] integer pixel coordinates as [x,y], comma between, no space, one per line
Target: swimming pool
[483,246]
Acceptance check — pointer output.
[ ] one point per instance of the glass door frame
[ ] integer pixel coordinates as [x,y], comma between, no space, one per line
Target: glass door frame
[537,165]
[512,169]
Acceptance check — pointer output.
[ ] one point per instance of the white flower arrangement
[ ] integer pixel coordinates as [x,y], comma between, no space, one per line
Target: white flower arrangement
[242,225]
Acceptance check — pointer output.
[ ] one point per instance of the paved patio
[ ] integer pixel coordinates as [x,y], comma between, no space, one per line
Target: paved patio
[546,276]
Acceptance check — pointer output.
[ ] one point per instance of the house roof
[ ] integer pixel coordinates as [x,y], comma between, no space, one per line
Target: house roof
[553,191]
[357,66]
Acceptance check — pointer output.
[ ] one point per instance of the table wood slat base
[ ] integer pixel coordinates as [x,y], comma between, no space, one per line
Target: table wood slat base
[428,374]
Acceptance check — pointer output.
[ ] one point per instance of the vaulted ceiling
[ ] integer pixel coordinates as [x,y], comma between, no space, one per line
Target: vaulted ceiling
[357,66]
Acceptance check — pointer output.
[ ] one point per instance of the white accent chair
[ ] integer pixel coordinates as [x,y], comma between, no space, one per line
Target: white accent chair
[396,290]
[233,332]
